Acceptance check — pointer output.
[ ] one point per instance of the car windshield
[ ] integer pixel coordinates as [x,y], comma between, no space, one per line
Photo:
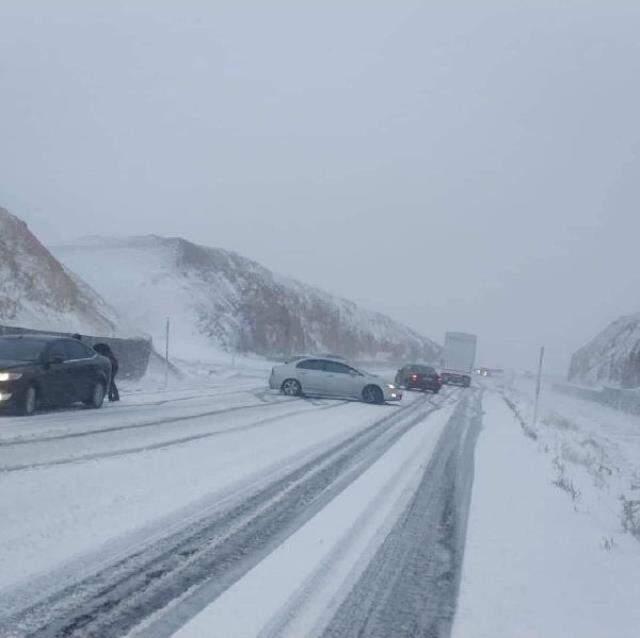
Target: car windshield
[20,349]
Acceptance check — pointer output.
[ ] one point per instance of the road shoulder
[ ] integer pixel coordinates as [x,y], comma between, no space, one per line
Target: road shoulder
[534,566]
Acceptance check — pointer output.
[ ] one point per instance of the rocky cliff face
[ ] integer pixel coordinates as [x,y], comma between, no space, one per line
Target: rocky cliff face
[217,299]
[612,357]
[37,291]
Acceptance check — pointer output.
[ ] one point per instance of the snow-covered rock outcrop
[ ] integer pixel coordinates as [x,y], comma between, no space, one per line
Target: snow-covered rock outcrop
[612,357]
[38,292]
[220,301]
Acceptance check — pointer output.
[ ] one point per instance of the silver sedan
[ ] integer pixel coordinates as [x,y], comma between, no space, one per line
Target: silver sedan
[331,378]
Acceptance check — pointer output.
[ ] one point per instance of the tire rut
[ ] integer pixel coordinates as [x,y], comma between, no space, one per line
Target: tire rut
[410,587]
[142,425]
[198,563]
[93,456]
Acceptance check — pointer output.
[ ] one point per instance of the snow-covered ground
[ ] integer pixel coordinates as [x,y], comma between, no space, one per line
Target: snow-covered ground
[96,477]
[547,551]
[82,490]
[305,578]
[216,507]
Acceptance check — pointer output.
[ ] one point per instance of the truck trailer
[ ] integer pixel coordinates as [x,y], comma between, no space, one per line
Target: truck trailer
[458,358]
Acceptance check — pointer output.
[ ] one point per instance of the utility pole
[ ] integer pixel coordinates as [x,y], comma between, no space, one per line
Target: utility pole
[538,385]
[166,355]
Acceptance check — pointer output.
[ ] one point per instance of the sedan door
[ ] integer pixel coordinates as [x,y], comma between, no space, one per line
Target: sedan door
[83,369]
[56,383]
[343,380]
[312,376]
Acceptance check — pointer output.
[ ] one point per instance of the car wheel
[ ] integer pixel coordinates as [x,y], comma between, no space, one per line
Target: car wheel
[372,394]
[29,403]
[97,396]
[291,388]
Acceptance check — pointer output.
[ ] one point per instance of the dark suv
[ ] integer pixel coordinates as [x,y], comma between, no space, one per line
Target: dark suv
[39,371]
[419,377]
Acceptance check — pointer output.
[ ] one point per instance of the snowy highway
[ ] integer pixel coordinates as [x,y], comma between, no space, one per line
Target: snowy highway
[165,514]
[223,509]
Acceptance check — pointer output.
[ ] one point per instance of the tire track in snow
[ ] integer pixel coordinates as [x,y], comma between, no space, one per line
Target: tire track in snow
[411,585]
[198,563]
[144,424]
[160,445]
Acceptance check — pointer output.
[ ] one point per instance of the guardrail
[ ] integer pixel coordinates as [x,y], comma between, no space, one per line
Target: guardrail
[625,400]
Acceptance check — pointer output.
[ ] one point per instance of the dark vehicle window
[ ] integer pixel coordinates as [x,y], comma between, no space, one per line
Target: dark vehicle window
[421,370]
[20,349]
[56,349]
[76,350]
[311,364]
[334,366]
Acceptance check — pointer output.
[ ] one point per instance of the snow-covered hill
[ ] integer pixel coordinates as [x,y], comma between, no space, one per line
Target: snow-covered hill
[37,291]
[220,301]
[612,357]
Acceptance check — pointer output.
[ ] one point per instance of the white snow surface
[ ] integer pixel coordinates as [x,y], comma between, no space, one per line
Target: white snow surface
[79,487]
[547,555]
[547,551]
[296,590]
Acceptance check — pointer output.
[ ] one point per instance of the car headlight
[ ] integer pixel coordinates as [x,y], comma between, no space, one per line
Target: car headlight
[10,376]
[391,386]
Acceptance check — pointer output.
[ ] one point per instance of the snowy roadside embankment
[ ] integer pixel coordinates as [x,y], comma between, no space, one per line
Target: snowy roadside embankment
[625,400]
[594,451]
[547,554]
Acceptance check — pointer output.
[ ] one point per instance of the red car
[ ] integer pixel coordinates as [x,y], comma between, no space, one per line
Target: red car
[419,377]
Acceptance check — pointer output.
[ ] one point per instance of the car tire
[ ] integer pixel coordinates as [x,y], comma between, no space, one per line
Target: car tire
[96,399]
[29,401]
[372,394]
[291,388]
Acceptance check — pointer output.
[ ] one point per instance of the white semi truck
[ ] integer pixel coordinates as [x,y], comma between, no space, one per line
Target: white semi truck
[458,358]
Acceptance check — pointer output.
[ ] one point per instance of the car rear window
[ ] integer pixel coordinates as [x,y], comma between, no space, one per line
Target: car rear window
[421,370]
[21,349]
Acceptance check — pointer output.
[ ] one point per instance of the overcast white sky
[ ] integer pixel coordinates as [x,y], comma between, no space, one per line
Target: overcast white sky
[459,165]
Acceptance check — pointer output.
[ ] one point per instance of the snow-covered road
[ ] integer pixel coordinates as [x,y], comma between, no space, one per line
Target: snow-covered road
[173,511]
[231,511]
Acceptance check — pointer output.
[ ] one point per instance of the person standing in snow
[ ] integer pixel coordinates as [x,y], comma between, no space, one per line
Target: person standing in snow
[105,351]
